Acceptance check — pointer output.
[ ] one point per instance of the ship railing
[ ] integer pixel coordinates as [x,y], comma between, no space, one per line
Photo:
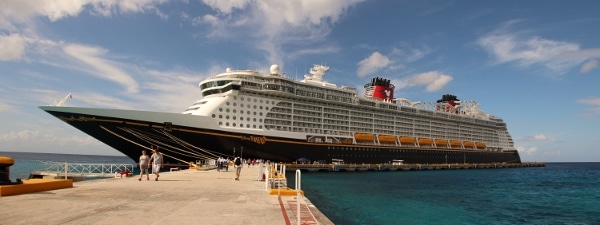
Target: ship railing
[69,169]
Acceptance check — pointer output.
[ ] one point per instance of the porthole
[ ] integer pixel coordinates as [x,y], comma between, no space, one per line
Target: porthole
[234,111]
[227,103]
[260,107]
[242,105]
[241,118]
[233,117]
[213,115]
[234,104]
[220,109]
[234,97]
[242,111]
[242,98]
[254,106]
[220,116]
[254,126]
[227,124]
[266,108]
[233,124]
[261,101]
[227,117]
[260,114]
[226,110]
[254,100]
[241,125]
[259,126]
[254,113]
[220,123]
[254,119]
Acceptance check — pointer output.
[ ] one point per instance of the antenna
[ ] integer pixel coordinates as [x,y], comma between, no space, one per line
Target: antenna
[64,100]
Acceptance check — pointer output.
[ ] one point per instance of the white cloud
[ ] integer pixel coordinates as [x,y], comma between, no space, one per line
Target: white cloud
[594,102]
[589,66]
[12,47]
[527,151]
[537,137]
[24,12]
[226,6]
[557,56]
[93,57]
[5,107]
[375,62]
[433,81]
[273,24]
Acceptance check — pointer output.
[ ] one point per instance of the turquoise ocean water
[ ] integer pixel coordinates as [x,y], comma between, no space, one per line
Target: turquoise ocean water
[560,193]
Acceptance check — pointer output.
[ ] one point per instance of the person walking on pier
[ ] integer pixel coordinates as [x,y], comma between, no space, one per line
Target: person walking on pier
[238,167]
[157,162]
[144,164]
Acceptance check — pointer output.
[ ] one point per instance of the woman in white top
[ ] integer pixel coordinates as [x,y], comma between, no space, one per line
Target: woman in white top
[144,164]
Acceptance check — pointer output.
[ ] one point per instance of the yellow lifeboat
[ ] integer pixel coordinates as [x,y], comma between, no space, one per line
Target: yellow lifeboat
[468,144]
[480,145]
[364,137]
[387,139]
[455,143]
[425,141]
[407,140]
[441,142]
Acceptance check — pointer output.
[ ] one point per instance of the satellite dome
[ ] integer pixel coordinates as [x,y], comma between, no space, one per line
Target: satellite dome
[228,70]
[274,69]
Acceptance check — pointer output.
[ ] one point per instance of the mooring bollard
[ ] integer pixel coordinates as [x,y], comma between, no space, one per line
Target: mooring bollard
[5,163]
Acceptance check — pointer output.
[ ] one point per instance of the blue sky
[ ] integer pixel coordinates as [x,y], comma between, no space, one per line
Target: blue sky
[533,63]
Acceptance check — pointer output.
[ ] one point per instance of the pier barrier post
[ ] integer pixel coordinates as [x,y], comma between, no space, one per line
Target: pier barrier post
[66,169]
[298,180]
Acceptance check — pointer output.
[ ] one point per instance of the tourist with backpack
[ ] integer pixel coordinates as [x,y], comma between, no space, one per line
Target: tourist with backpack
[238,167]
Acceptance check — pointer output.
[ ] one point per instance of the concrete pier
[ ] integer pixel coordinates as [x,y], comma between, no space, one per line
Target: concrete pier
[179,197]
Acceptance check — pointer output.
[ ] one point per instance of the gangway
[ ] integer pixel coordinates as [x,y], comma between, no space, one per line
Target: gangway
[71,170]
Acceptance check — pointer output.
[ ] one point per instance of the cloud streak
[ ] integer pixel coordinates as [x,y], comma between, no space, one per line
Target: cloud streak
[513,47]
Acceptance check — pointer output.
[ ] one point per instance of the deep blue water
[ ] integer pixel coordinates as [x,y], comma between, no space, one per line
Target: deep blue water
[560,193]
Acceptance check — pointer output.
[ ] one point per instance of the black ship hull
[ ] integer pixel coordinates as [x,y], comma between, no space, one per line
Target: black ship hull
[182,144]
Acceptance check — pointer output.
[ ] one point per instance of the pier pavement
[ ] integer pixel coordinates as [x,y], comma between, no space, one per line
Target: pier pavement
[179,197]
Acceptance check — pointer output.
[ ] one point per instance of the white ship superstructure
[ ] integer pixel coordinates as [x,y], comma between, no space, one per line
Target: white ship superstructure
[317,111]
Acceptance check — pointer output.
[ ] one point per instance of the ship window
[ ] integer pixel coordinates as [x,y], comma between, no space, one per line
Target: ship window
[234,111]
[233,124]
[241,118]
[242,98]
[254,126]
[247,125]
[227,103]
[242,105]
[254,100]
[220,109]
[260,120]
[254,119]
[260,114]
[259,126]
[234,104]
[241,125]
[227,117]
[213,115]
[220,123]
[248,112]
[220,116]
[266,108]
[260,107]
[234,98]
[242,111]
[254,113]
[227,124]
[261,101]
[254,106]
[248,119]
[226,110]
[233,117]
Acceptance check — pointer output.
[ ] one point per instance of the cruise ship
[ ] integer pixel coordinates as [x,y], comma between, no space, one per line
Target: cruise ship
[267,115]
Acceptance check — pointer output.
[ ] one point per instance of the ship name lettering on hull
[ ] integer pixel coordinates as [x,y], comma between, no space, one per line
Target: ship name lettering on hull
[256,139]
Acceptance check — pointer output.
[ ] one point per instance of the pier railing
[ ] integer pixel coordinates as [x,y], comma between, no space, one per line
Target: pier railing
[68,169]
